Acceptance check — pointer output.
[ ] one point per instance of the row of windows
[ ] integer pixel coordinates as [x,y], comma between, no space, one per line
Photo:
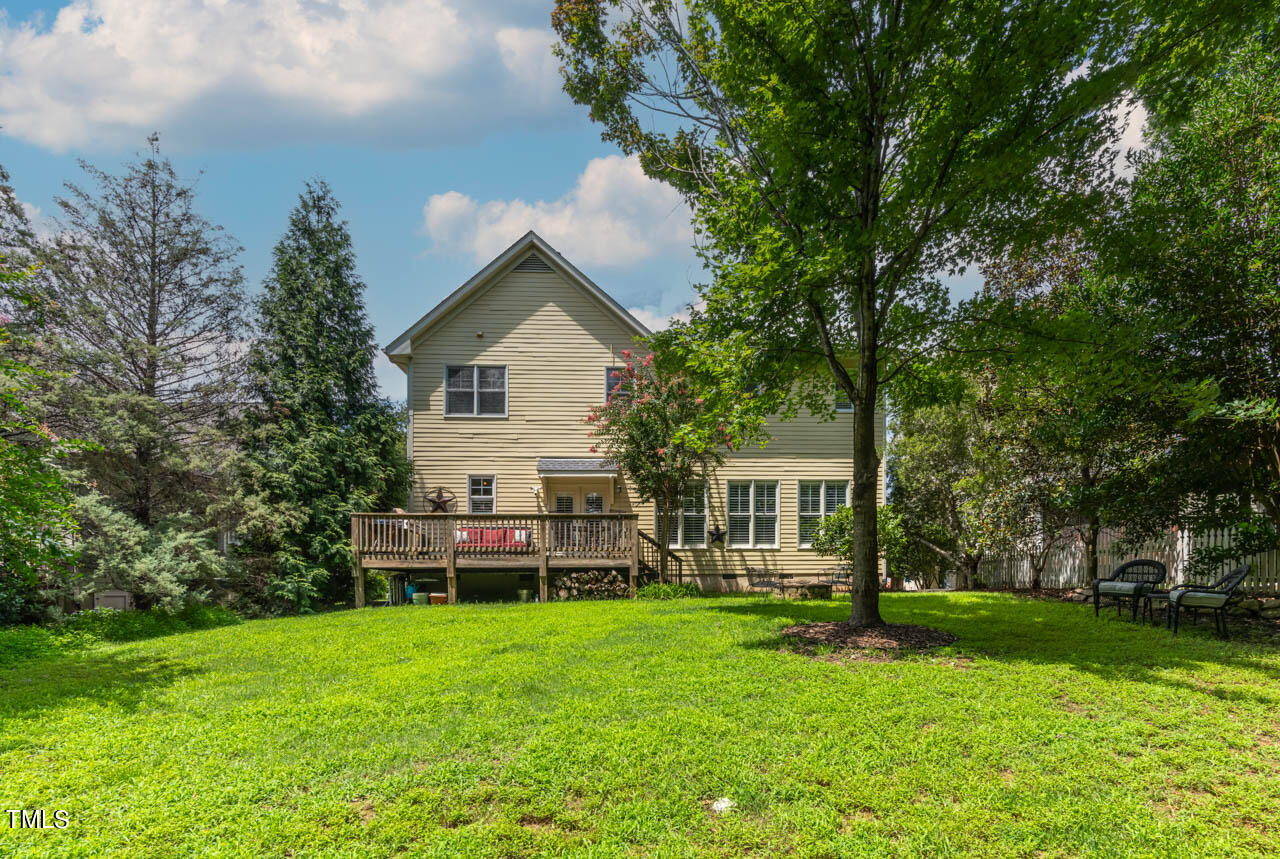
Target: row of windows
[752,510]
[475,391]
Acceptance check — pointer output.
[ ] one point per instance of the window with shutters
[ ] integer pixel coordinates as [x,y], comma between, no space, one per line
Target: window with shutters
[481,497]
[475,391]
[814,500]
[753,514]
[688,519]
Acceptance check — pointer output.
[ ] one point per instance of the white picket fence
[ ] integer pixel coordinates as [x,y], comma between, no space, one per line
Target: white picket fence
[1066,565]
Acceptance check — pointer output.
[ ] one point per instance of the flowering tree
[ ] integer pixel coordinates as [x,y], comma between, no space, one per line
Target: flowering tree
[666,431]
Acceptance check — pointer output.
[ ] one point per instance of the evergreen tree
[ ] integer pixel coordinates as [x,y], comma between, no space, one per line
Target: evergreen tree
[321,443]
[144,299]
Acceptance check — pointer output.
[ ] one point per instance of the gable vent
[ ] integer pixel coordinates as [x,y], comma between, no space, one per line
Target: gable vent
[532,262]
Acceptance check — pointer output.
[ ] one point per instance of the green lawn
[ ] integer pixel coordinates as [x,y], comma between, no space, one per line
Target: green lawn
[604,729]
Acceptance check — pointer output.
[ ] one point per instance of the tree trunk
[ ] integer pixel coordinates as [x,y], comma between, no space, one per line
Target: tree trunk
[664,530]
[967,572]
[865,609]
[1091,551]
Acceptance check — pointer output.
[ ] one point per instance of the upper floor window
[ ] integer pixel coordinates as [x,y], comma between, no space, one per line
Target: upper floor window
[476,391]
[613,382]
[843,403]
[753,513]
[816,499]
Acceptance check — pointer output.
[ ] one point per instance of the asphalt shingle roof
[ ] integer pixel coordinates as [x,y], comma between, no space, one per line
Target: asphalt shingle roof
[570,465]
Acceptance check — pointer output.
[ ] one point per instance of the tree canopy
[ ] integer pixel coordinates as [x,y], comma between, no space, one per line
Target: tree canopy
[839,156]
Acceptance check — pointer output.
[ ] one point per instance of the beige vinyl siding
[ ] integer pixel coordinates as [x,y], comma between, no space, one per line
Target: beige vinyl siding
[556,342]
[805,448]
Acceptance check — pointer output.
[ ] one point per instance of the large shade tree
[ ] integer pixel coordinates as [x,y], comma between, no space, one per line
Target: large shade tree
[1194,258]
[838,155]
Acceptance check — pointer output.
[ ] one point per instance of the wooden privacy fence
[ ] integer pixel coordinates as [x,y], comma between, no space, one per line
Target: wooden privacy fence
[1066,565]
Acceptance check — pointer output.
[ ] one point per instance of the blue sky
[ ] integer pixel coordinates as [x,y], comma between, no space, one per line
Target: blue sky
[439,124]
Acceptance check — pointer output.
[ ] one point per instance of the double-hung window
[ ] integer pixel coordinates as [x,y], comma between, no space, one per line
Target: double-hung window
[688,521]
[480,493]
[612,383]
[475,391]
[753,514]
[816,499]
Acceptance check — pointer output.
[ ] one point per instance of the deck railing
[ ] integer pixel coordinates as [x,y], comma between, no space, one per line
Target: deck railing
[448,540]
[428,536]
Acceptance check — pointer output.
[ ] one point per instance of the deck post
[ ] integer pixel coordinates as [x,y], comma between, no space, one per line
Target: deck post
[633,534]
[357,568]
[543,550]
[451,557]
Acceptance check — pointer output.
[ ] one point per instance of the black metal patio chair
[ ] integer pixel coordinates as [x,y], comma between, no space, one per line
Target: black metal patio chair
[761,579]
[1130,581]
[838,576]
[1214,597]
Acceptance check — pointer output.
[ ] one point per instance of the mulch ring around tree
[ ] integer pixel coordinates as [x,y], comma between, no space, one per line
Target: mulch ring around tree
[872,644]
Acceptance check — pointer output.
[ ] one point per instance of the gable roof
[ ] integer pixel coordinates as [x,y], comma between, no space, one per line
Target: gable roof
[400,348]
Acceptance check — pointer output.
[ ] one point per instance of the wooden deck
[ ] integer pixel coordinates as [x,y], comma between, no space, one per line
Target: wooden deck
[495,541]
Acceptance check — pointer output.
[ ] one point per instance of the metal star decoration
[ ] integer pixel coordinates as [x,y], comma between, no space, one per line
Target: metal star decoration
[440,499]
[716,534]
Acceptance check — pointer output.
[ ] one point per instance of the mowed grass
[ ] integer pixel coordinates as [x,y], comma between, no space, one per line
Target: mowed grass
[605,729]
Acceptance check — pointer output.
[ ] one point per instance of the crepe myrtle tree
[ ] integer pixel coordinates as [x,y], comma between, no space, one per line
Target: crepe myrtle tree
[838,156]
[666,431]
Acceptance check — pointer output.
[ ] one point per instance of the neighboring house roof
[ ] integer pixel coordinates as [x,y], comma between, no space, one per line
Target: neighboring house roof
[553,466]
[401,348]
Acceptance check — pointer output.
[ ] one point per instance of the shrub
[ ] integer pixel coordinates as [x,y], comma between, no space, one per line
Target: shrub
[107,624]
[163,566]
[668,591]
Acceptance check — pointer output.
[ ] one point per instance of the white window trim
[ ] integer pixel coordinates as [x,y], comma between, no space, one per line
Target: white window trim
[475,380]
[776,514]
[822,497]
[679,521]
[492,477]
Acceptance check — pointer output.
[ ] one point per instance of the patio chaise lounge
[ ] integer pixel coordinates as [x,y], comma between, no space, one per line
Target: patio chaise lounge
[1213,597]
[1130,581]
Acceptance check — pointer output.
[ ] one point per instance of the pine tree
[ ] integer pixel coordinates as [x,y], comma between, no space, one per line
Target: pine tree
[145,306]
[321,443]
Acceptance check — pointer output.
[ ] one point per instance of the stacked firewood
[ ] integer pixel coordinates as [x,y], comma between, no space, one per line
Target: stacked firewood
[591,585]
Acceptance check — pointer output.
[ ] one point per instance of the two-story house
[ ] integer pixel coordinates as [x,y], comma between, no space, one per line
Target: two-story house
[500,376]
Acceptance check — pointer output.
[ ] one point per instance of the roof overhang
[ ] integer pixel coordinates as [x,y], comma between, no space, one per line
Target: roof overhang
[550,466]
[400,349]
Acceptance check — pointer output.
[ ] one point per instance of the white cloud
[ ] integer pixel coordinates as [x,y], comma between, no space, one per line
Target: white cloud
[41,224]
[614,215]
[656,320]
[258,72]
